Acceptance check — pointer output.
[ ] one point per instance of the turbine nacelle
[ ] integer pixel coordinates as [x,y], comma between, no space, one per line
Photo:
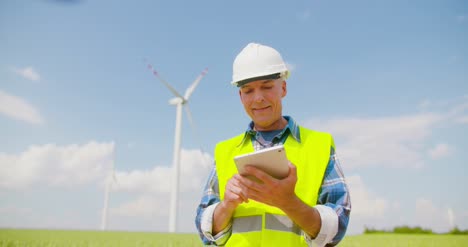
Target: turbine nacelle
[177,101]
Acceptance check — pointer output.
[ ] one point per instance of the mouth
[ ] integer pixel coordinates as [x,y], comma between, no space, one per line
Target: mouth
[261,109]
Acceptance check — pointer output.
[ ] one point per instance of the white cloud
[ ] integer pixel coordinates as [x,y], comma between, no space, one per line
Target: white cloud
[9,209]
[364,203]
[18,108]
[28,73]
[144,206]
[431,216]
[386,141]
[368,209]
[462,120]
[152,190]
[194,166]
[458,109]
[398,141]
[375,211]
[56,165]
[440,150]
[138,201]
[155,180]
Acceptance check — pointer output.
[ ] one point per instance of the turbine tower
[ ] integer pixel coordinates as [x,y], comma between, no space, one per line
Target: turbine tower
[109,181]
[179,101]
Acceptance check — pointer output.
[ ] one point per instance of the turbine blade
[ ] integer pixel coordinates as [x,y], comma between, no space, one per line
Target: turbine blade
[192,87]
[195,132]
[114,178]
[192,125]
[157,75]
[189,116]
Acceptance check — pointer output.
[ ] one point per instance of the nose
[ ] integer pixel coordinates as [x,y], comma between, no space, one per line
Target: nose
[258,96]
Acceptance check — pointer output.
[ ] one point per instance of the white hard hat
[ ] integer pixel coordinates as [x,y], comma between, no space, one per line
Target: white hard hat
[258,62]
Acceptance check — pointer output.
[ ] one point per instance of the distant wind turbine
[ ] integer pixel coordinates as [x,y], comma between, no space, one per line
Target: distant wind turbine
[451,218]
[109,181]
[178,101]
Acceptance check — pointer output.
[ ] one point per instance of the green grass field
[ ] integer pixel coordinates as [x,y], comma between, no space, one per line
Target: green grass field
[49,238]
[410,240]
[55,238]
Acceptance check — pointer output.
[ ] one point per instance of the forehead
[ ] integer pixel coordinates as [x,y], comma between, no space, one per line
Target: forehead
[259,83]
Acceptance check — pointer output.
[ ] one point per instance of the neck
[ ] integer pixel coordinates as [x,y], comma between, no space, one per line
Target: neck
[277,125]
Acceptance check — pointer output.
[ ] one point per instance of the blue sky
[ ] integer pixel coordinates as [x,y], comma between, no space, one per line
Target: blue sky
[389,80]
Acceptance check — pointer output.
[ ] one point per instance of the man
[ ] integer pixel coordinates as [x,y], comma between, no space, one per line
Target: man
[310,205]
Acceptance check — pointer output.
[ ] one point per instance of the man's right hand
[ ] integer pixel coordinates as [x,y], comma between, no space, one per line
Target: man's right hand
[234,194]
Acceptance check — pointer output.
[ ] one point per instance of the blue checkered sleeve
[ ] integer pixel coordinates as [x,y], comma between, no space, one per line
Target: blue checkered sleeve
[334,193]
[210,197]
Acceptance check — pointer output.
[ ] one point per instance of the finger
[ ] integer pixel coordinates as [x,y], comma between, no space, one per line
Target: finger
[231,197]
[259,174]
[251,182]
[237,197]
[255,195]
[238,191]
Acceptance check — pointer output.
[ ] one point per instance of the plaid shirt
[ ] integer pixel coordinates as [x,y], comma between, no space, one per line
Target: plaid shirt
[333,193]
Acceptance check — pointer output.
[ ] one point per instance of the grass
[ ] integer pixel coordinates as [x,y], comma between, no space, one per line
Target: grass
[49,238]
[410,240]
[56,238]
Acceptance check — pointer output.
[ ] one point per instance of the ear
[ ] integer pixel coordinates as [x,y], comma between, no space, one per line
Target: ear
[240,95]
[285,89]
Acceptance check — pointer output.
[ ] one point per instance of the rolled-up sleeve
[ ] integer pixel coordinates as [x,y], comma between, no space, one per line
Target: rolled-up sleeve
[205,211]
[334,198]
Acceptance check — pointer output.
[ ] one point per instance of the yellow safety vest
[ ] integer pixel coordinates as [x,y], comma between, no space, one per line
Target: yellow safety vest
[258,224]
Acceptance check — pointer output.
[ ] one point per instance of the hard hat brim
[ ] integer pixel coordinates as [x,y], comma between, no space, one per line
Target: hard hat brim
[258,78]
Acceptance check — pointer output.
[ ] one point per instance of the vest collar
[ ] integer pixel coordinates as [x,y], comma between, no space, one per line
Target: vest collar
[291,126]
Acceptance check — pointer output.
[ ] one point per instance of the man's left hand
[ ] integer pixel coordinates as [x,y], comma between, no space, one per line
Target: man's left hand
[269,190]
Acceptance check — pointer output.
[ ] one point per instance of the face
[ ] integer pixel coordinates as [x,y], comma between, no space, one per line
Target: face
[262,102]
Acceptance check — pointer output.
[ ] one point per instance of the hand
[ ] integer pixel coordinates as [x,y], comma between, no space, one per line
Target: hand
[234,193]
[267,189]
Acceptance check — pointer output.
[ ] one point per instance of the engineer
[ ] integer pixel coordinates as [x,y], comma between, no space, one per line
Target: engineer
[311,206]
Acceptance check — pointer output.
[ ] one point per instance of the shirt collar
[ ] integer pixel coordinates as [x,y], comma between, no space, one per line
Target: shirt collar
[291,126]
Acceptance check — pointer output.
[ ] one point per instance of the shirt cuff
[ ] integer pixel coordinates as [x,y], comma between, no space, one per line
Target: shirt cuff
[207,227]
[329,227]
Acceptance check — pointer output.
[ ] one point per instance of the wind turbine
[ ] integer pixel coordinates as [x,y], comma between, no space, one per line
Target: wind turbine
[109,181]
[179,101]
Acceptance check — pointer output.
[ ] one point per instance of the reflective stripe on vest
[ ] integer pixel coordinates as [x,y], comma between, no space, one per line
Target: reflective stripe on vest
[258,224]
[281,223]
[272,222]
[247,224]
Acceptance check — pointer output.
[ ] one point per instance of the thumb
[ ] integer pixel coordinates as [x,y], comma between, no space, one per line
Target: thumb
[292,170]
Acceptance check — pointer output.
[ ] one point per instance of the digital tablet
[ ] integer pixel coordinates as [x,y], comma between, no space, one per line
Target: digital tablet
[271,160]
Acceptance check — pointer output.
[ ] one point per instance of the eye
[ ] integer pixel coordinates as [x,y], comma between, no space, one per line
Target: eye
[246,91]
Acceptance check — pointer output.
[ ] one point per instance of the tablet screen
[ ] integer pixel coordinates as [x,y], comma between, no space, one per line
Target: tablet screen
[271,160]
